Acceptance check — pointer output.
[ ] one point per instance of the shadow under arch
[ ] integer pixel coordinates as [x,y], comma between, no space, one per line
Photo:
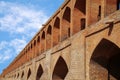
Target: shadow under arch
[29,73]
[49,37]
[105,61]
[66,28]
[56,31]
[39,72]
[18,75]
[60,70]
[43,41]
[22,74]
[79,19]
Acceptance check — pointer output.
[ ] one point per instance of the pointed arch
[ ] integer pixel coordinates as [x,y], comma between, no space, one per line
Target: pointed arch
[34,48]
[39,72]
[49,37]
[15,76]
[38,39]
[22,74]
[60,70]
[104,62]
[18,75]
[29,74]
[43,41]
[56,31]
[38,46]
[66,19]
[79,14]
[31,52]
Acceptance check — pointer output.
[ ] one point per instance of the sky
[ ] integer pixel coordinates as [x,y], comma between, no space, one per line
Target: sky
[20,20]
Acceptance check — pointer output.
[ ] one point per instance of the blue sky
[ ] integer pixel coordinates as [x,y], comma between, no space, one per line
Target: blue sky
[19,21]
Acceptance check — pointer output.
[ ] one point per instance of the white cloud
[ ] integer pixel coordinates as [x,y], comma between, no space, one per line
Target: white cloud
[18,44]
[6,56]
[2,45]
[19,19]
[22,22]
[11,49]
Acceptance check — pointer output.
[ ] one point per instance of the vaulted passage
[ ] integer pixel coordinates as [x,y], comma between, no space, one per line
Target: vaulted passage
[18,75]
[79,19]
[66,30]
[43,42]
[38,45]
[56,32]
[60,70]
[49,38]
[105,62]
[39,72]
[22,74]
[29,74]
[34,49]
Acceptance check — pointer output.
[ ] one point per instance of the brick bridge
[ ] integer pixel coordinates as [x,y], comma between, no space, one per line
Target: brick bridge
[81,41]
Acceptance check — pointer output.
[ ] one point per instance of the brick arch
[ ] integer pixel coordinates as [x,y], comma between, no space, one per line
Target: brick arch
[49,37]
[31,52]
[65,28]
[79,14]
[18,75]
[22,75]
[29,74]
[56,31]
[39,72]
[60,70]
[38,46]
[27,54]
[43,41]
[15,76]
[34,48]
[104,62]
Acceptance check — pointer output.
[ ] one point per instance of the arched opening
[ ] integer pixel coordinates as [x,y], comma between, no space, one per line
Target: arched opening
[49,38]
[31,52]
[38,45]
[56,32]
[34,49]
[39,72]
[22,74]
[105,62]
[66,24]
[18,75]
[29,73]
[79,19]
[15,76]
[60,70]
[43,42]
[27,54]
[112,6]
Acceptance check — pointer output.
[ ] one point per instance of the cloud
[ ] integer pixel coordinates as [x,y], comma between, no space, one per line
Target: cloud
[19,19]
[5,56]
[18,45]
[11,49]
[2,45]
[22,22]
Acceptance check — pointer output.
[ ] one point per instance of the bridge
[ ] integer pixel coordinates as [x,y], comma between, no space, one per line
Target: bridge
[79,42]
